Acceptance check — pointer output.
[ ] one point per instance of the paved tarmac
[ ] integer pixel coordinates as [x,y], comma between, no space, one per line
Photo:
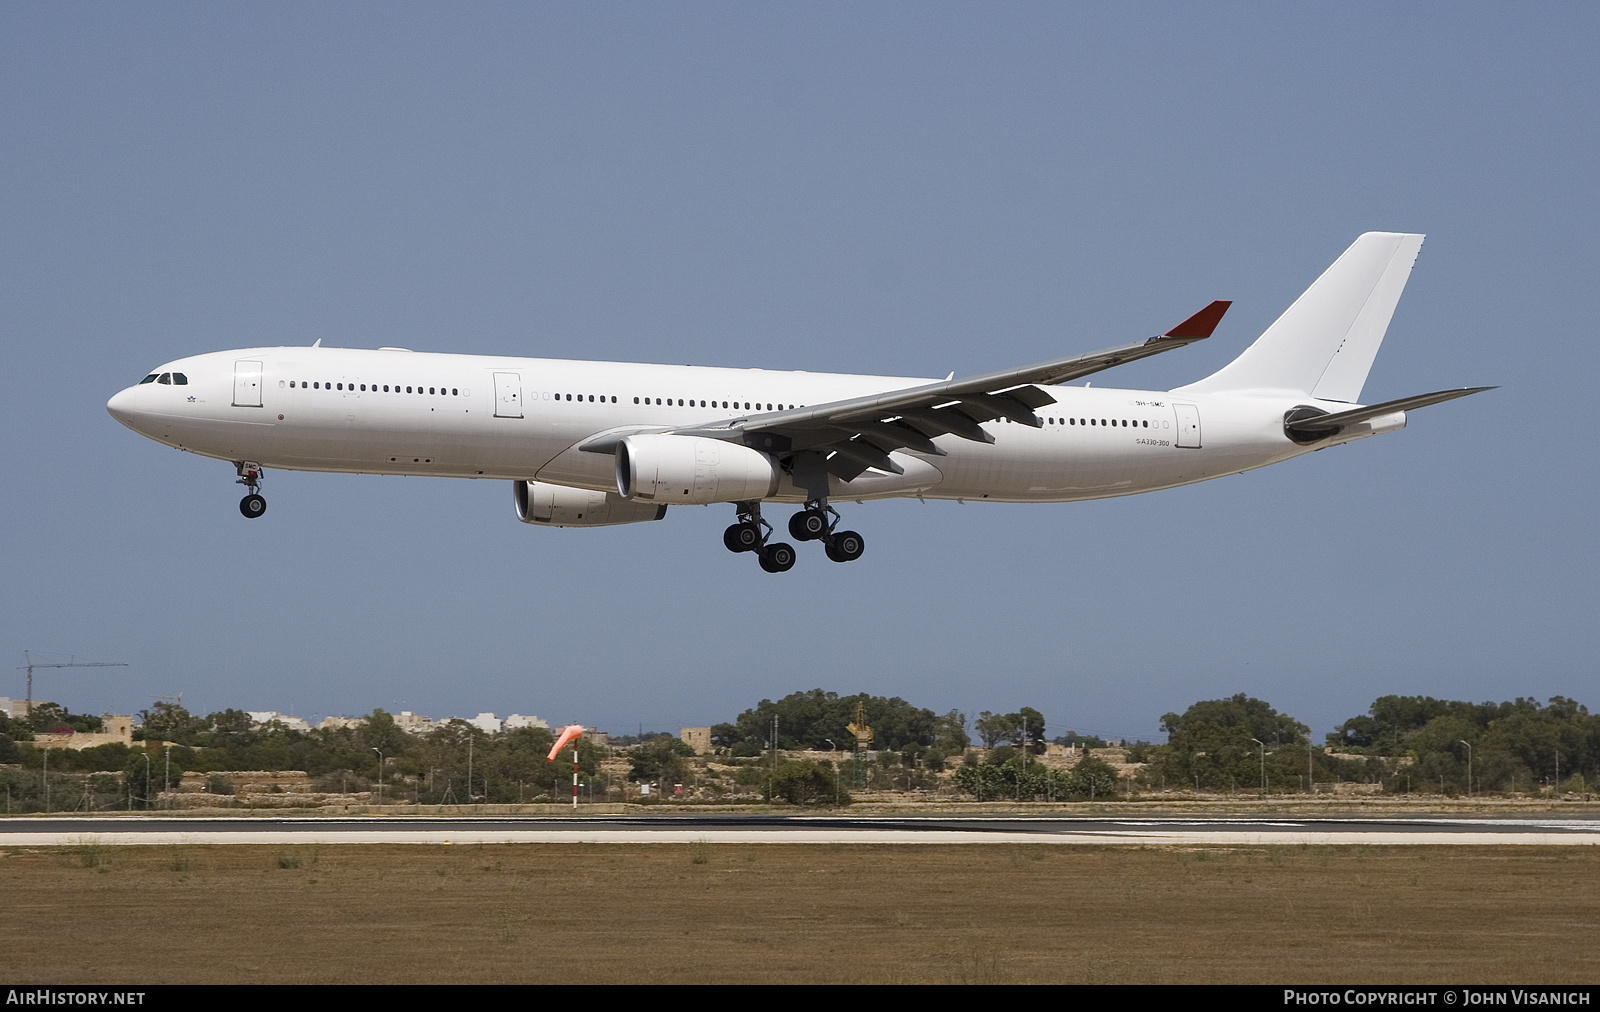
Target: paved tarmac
[726,828]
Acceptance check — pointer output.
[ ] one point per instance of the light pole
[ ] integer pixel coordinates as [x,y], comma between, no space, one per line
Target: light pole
[1263,745]
[835,748]
[1468,744]
[380,773]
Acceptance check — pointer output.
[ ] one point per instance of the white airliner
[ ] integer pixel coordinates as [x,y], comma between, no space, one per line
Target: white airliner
[589,444]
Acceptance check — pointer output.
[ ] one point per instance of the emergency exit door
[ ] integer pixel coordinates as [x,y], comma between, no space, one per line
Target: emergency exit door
[247,384]
[1188,424]
[507,395]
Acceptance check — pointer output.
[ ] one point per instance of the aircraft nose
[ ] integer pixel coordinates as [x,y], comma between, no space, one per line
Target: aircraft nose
[121,407]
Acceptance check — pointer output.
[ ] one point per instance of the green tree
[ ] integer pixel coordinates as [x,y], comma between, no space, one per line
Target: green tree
[808,720]
[168,722]
[808,783]
[49,717]
[1210,745]
[1093,777]
[660,759]
[950,738]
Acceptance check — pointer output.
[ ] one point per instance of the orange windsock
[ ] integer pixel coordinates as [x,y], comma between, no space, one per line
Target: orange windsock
[568,733]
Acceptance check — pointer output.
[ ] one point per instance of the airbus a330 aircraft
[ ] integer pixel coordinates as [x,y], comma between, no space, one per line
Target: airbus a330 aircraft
[590,444]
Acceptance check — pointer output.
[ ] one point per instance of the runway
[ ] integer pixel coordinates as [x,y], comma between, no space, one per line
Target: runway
[829,829]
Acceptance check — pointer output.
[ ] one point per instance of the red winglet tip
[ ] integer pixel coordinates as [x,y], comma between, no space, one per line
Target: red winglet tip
[1202,323]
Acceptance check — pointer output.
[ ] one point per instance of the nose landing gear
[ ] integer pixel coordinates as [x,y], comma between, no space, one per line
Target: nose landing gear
[250,473]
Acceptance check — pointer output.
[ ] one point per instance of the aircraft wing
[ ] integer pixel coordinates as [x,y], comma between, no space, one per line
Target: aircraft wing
[860,432]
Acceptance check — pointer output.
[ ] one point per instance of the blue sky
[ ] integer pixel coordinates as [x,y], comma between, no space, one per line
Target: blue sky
[899,189]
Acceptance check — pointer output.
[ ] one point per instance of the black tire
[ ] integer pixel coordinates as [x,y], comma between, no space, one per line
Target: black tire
[809,525]
[778,558]
[846,546]
[742,538]
[252,505]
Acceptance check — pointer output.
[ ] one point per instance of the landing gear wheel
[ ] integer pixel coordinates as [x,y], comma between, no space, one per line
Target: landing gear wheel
[778,558]
[252,505]
[846,546]
[809,525]
[743,537]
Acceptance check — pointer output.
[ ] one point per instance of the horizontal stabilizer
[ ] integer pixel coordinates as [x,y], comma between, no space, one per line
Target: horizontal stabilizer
[1304,427]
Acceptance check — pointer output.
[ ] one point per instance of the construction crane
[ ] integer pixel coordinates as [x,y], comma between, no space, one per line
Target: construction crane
[30,664]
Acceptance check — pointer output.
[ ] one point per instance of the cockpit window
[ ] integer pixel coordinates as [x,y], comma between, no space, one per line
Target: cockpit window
[179,379]
[148,379]
[166,378]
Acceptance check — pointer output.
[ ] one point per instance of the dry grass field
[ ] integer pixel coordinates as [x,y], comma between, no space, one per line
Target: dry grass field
[792,913]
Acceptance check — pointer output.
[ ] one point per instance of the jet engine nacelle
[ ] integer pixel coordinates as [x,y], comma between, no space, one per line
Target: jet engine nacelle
[692,470]
[540,502]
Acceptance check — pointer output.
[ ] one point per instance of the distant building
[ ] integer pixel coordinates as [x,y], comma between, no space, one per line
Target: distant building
[261,718]
[413,723]
[488,723]
[697,738]
[517,720]
[16,709]
[339,723]
[116,729]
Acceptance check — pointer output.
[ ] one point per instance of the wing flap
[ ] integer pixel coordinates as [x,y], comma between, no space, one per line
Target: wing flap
[865,430]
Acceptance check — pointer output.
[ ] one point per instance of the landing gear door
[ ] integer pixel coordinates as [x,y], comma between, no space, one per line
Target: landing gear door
[1188,425]
[507,395]
[247,384]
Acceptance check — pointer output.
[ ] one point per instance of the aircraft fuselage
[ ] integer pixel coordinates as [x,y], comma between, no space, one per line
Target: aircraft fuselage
[471,416]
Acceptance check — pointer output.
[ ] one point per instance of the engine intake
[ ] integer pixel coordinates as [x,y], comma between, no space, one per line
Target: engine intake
[692,470]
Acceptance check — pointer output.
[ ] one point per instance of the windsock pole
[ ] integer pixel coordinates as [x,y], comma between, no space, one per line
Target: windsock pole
[569,733]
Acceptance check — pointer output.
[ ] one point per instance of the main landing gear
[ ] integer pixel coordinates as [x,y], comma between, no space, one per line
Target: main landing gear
[749,534]
[816,522]
[819,522]
[252,505]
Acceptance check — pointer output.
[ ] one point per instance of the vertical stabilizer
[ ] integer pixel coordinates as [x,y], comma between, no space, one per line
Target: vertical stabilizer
[1324,344]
